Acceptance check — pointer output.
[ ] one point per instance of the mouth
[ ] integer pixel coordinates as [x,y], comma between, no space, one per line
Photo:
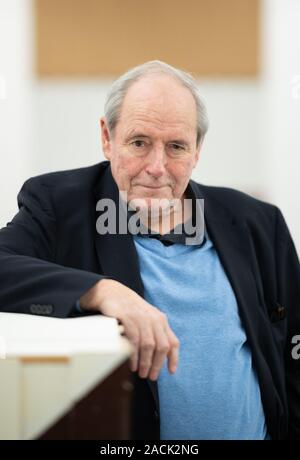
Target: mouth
[152,187]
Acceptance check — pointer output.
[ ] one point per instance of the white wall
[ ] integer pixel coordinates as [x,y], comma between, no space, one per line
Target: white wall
[66,119]
[15,101]
[252,144]
[231,151]
[67,129]
[281,107]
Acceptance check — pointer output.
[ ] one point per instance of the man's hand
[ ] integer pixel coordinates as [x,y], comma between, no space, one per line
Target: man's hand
[145,326]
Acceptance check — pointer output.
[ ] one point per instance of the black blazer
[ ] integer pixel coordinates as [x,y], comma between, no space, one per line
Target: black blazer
[50,254]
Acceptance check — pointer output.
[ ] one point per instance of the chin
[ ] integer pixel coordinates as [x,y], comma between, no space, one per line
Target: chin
[155,204]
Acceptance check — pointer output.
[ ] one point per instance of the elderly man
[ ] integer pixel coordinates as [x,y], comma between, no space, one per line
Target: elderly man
[214,319]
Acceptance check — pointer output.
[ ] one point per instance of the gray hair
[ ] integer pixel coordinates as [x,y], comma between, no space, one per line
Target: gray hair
[120,86]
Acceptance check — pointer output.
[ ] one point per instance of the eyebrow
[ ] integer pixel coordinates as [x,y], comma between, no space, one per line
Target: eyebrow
[140,135]
[179,141]
[132,135]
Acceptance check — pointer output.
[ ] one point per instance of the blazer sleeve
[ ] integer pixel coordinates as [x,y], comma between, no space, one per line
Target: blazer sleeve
[30,280]
[288,295]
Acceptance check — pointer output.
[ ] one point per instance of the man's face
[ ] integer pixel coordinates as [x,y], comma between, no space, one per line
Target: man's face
[153,148]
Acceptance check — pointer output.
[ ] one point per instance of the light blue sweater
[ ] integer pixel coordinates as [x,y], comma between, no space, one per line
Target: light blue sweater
[214,393]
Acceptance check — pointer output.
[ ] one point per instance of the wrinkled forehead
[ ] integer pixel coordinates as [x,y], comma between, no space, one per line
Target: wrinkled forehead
[162,97]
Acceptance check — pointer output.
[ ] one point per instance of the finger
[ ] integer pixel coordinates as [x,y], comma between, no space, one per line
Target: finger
[161,352]
[132,333]
[146,351]
[173,355]
[134,358]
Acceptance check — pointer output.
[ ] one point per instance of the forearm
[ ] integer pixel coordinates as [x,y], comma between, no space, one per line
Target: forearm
[27,282]
[94,298]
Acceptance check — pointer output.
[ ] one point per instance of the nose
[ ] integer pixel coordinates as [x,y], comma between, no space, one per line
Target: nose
[156,162]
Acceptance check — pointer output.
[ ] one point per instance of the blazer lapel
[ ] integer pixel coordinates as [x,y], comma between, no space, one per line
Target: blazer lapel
[116,253]
[232,241]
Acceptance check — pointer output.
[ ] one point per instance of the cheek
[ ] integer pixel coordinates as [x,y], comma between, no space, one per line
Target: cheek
[127,168]
[181,170]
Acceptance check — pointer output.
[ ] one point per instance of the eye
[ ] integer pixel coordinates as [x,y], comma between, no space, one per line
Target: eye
[138,143]
[177,147]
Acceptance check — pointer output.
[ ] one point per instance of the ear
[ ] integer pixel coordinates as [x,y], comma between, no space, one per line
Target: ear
[196,159]
[105,138]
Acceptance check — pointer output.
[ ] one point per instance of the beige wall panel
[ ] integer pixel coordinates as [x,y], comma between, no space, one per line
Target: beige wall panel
[105,37]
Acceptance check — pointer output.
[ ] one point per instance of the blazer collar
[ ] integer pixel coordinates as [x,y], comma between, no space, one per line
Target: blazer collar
[230,234]
[116,252]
